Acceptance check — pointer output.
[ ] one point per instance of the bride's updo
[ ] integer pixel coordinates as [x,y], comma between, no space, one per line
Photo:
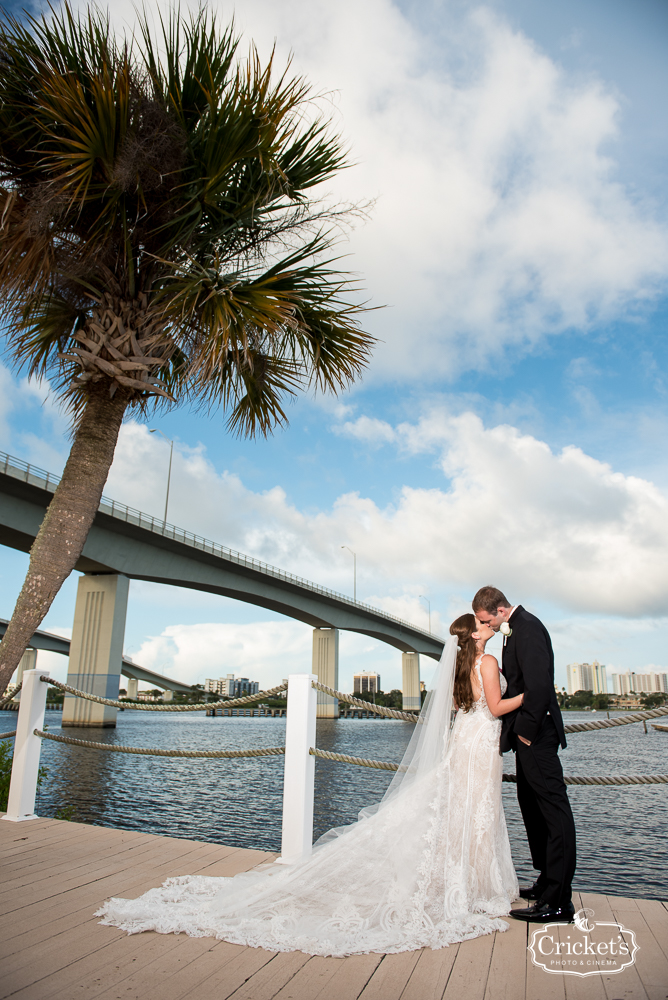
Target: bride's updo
[464,627]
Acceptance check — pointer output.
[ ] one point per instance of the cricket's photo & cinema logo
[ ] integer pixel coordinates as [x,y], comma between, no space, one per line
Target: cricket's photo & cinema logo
[583,948]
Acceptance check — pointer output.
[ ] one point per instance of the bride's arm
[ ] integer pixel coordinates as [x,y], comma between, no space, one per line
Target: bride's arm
[489,671]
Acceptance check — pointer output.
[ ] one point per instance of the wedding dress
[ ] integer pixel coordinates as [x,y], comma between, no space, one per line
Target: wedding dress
[427,867]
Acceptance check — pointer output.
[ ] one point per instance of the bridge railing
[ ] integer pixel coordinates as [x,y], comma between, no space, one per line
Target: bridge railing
[24,471]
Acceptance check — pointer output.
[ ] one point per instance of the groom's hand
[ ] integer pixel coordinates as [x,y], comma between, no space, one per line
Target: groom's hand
[528,742]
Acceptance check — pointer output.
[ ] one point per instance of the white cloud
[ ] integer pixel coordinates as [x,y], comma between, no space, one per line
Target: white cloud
[31,396]
[499,218]
[558,527]
[262,651]
[369,429]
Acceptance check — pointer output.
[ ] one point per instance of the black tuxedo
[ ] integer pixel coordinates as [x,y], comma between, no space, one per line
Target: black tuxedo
[528,666]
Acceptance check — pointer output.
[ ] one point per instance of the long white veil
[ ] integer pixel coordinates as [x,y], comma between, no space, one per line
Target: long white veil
[429,743]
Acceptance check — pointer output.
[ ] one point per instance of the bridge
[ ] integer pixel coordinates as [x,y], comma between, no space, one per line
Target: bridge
[126,544]
[59,644]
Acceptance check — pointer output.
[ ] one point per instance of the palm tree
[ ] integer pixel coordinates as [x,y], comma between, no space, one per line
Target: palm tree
[159,245]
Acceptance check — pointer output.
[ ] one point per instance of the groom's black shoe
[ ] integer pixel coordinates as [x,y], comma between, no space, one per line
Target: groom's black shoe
[534,891]
[545,913]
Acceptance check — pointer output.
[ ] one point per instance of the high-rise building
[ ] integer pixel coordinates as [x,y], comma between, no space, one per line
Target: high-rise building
[366,683]
[228,687]
[647,683]
[587,677]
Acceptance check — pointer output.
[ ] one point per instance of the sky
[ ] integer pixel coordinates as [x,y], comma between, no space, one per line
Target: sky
[512,425]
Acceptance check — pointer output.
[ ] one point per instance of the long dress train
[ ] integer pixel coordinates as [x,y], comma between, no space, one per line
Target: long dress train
[428,867]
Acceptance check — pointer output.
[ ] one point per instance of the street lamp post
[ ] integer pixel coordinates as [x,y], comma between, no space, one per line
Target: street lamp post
[354,572]
[423,598]
[156,430]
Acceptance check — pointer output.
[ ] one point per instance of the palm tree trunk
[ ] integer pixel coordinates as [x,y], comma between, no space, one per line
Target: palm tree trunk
[67,521]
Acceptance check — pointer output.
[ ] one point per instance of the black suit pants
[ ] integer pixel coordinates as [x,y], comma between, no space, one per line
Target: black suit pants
[546,811]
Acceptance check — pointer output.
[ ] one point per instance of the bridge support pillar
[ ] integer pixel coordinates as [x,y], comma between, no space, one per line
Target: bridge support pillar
[326,668]
[410,682]
[133,688]
[167,695]
[27,662]
[96,652]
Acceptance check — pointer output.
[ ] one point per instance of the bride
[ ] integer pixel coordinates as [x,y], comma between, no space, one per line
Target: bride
[427,867]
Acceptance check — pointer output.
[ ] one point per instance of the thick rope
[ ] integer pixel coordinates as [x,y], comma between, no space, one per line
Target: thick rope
[155,752]
[617,779]
[575,727]
[13,695]
[383,765]
[6,736]
[389,713]
[344,758]
[145,707]
[581,727]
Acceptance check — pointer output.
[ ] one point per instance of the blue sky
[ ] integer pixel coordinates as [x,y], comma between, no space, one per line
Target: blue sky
[512,426]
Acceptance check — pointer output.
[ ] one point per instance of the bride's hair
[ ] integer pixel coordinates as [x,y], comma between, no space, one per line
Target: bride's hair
[464,627]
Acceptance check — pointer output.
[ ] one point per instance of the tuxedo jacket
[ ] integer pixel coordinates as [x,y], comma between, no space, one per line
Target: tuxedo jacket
[528,666]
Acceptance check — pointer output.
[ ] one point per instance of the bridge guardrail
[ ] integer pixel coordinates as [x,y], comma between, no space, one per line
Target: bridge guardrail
[26,472]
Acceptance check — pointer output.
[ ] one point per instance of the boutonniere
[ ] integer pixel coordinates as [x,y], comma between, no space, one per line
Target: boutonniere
[505,631]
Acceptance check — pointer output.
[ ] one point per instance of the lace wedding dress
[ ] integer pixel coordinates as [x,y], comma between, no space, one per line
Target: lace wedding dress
[427,867]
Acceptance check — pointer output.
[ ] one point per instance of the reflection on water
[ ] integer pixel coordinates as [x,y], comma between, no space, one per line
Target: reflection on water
[621,831]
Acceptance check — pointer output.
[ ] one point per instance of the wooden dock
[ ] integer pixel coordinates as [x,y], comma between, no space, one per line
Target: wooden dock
[55,874]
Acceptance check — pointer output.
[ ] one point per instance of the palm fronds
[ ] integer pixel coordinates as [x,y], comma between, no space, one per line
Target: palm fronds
[155,204]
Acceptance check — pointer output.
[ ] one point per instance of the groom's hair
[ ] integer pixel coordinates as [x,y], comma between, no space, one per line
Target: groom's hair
[490,599]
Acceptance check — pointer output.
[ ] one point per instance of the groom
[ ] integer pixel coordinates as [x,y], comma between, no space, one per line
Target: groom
[534,732]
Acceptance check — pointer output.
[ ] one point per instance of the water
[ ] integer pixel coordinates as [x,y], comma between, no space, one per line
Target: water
[621,831]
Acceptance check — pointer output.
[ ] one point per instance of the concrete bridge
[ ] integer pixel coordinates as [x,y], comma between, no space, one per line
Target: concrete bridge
[125,544]
[59,644]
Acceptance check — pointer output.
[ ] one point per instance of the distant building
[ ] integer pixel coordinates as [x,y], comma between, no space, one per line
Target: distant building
[229,687]
[639,683]
[587,677]
[366,683]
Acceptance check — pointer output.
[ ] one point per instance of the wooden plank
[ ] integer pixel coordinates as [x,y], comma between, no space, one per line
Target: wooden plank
[391,976]
[163,975]
[316,975]
[507,970]
[430,976]
[470,970]
[267,971]
[133,882]
[49,928]
[54,862]
[651,964]
[197,961]
[120,954]
[47,888]
[589,987]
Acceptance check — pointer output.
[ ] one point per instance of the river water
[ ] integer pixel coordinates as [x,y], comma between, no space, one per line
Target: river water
[621,831]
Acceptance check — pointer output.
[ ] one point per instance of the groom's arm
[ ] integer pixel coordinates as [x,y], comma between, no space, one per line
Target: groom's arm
[533,657]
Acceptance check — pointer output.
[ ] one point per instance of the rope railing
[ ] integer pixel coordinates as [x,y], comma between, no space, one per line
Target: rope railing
[389,713]
[157,752]
[6,736]
[582,727]
[145,707]
[344,758]
[384,765]
[6,701]
[341,758]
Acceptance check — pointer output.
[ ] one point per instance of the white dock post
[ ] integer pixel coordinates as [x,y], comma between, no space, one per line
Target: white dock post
[299,773]
[27,746]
